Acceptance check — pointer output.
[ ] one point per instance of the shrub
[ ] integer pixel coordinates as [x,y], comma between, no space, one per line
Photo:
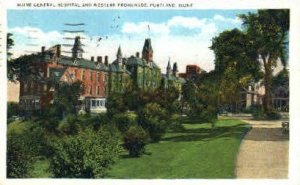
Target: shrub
[175,123]
[258,113]
[209,114]
[69,125]
[135,140]
[88,154]
[153,118]
[95,121]
[273,115]
[124,120]
[12,109]
[25,141]
[19,156]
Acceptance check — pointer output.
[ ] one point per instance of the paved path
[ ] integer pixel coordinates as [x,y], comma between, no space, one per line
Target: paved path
[263,152]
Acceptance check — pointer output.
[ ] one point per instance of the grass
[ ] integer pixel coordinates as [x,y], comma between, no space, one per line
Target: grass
[197,152]
[41,169]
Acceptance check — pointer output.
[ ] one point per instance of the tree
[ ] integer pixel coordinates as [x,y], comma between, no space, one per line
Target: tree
[115,104]
[66,97]
[236,64]
[268,30]
[135,139]
[10,44]
[153,118]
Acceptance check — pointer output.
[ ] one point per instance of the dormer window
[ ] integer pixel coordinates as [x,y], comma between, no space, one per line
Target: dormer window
[75,61]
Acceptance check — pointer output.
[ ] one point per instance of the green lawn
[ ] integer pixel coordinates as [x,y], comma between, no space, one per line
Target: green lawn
[197,152]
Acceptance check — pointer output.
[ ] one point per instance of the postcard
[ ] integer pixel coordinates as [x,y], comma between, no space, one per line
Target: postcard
[130,92]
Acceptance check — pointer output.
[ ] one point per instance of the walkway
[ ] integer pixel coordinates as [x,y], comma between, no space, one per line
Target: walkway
[263,152]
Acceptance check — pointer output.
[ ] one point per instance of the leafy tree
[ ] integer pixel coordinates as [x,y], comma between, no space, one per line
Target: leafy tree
[236,64]
[115,104]
[66,97]
[135,139]
[153,118]
[10,44]
[268,30]
[89,154]
[124,121]
[281,79]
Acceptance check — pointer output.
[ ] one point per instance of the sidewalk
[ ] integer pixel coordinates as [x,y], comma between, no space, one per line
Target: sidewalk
[263,152]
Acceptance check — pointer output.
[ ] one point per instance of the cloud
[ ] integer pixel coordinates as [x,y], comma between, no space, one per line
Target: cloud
[235,21]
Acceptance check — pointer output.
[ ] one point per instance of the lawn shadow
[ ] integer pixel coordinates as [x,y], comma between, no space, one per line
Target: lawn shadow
[267,134]
[206,134]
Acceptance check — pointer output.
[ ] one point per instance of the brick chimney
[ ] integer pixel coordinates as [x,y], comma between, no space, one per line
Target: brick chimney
[58,50]
[43,49]
[106,60]
[99,59]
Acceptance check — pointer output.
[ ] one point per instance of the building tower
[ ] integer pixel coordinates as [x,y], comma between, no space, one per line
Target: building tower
[77,50]
[147,51]
[175,69]
[169,68]
[119,56]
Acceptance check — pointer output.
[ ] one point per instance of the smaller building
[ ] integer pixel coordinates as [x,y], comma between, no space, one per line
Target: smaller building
[171,78]
[191,72]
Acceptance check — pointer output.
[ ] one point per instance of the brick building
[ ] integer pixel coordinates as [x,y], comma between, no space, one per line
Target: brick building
[99,78]
[191,72]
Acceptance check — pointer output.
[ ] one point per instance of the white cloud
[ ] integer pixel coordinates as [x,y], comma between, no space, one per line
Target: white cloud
[187,22]
[234,21]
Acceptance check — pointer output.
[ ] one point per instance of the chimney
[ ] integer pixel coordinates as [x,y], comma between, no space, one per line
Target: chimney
[43,49]
[106,60]
[99,59]
[137,54]
[58,50]
[92,59]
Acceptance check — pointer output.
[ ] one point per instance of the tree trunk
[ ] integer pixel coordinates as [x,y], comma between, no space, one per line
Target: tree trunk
[267,101]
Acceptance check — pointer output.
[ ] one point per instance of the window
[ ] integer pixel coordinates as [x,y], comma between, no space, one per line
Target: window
[91,90]
[98,77]
[91,76]
[82,74]
[76,73]
[25,87]
[97,90]
[93,103]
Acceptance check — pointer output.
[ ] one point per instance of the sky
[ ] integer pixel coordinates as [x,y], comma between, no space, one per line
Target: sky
[182,36]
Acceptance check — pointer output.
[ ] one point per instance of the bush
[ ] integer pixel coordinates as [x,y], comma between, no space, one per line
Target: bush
[25,141]
[69,125]
[12,111]
[259,114]
[209,114]
[124,120]
[175,123]
[88,154]
[135,140]
[273,115]
[153,118]
[19,156]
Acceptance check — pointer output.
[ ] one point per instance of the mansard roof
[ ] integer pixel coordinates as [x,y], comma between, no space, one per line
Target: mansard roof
[173,78]
[81,62]
[141,62]
[118,68]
